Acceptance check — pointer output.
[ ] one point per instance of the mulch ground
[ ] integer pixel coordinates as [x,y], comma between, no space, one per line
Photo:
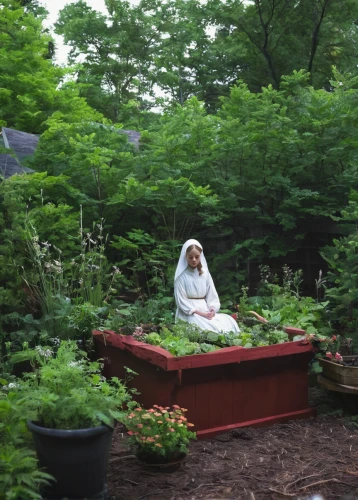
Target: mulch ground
[298,459]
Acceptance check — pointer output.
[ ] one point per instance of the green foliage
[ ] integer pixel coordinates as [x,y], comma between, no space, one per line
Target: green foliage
[342,258]
[159,432]
[156,311]
[283,304]
[184,339]
[181,339]
[19,474]
[67,391]
[149,263]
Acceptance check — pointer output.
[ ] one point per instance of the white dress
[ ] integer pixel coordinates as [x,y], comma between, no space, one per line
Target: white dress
[197,292]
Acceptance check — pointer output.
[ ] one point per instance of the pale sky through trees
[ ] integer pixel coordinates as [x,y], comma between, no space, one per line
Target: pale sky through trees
[53,7]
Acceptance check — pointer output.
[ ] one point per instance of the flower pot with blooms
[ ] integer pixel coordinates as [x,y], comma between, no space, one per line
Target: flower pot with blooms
[160,436]
[73,410]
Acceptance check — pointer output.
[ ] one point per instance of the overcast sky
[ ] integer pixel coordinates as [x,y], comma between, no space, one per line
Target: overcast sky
[53,7]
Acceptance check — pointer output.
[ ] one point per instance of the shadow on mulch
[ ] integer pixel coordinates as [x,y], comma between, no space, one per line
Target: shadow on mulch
[314,459]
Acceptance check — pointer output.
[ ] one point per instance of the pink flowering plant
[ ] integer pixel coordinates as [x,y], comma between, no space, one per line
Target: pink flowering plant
[327,347]
[161,434]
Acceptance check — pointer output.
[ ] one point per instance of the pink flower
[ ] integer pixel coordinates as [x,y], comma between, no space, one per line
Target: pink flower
[338,356]
[139,426]
[168,419]
[334,337]
[131,433]
[157,414]
[171,429]
[190,425]
[329,355]
[150,440]
[176,407]
[151,410]
[138,409]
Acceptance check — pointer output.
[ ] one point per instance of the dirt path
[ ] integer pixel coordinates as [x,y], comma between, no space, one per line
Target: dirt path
[291,460]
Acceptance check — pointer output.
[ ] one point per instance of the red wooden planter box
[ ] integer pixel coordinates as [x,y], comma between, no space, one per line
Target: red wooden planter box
[229,388]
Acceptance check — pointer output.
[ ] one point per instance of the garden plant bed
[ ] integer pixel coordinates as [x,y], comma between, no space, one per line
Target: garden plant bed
[267,463]
[346,374]
[222,390]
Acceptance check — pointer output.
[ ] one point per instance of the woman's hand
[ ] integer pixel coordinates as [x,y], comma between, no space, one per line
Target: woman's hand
[204,314]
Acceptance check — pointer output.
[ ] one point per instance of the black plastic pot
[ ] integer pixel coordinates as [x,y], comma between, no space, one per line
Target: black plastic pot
[77,459]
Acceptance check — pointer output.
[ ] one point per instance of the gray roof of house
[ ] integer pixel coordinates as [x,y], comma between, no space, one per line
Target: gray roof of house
[132,135]
[22,145]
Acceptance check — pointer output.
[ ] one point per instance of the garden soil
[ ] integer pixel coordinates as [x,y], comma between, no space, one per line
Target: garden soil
[303,459]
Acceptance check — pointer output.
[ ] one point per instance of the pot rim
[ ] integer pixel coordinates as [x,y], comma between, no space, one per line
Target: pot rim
[68,433]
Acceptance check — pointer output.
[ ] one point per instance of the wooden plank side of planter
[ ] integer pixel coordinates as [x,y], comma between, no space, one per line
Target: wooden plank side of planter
[261,422]
[154,384]
[346,375]
[161,357]
[262,386]
[244,392]
[153,354]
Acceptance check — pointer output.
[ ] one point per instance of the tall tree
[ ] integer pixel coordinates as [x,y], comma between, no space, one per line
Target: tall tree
[271,38]
[28,79]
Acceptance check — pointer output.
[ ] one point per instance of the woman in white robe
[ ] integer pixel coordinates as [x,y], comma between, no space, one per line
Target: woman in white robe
[195,294]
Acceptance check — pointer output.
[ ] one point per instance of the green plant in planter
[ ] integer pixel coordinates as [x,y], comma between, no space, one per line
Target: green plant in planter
[159,435]
[67,391]
[284,304]
[71,410]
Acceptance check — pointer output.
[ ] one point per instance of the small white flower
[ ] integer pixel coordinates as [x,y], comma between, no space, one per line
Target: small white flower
[13,385]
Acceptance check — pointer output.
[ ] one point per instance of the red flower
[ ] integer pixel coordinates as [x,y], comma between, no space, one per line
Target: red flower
[334,337]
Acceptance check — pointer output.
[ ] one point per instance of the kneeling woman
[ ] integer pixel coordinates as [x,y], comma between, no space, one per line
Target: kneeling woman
[195,294]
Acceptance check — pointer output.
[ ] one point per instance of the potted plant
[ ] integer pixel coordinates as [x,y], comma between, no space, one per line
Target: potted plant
[73,411]
[159,436]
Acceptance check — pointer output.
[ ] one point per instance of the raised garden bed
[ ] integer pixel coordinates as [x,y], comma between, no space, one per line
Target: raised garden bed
[230,388]
[346,374]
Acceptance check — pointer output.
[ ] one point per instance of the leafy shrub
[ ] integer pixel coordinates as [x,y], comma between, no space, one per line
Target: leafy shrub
[67,391]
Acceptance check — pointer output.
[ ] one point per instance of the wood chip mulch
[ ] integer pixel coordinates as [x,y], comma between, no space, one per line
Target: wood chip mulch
[298,459]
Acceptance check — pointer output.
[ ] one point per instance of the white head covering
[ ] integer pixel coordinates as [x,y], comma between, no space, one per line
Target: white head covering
[183,263]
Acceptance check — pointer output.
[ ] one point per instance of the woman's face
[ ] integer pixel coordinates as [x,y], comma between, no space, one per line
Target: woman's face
[193,258]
